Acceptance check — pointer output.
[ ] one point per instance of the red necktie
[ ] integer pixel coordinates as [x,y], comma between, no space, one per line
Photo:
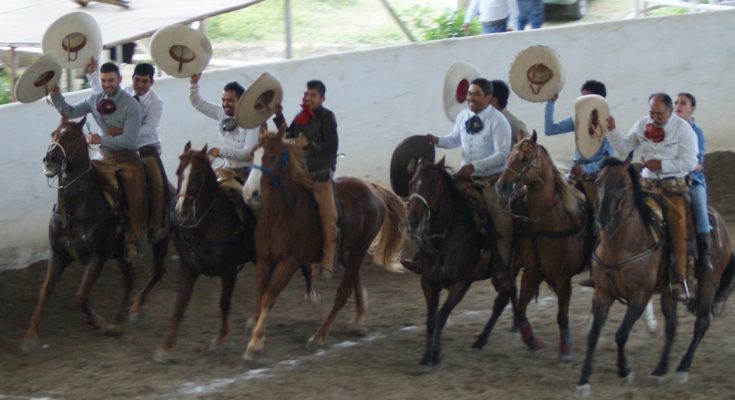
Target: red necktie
[654,133]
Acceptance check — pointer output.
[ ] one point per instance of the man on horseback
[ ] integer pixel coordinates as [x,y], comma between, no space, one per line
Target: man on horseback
[118,116]
[668,148]
[485,136]
[148,142]
[316,129]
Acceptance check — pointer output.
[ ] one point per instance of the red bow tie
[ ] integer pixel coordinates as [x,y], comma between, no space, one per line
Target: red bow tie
[306,115]
[654,133]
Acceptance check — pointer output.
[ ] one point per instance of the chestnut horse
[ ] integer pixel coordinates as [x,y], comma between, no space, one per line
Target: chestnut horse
[84,228]
[288,233]
[631,264]
[449,257]
[552,229]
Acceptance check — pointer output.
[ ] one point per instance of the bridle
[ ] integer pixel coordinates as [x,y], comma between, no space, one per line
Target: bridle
[64,162]
[194,199]
[424,240]
[520,174]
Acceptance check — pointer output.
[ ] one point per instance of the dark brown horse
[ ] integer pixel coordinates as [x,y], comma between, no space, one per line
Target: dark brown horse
[84,228]
[449,257]
[631,264]
[288,232]
[552,230]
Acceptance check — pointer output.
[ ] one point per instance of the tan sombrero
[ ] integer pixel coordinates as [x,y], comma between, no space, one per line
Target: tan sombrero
[181,51]
[536,74]
[456,84]
[590,123]
[74,39]
[259,102]
[38,80]
[410,149]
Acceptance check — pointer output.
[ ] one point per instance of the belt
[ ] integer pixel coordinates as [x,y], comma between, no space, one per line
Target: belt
[151,150]
[672,184]
[119,156]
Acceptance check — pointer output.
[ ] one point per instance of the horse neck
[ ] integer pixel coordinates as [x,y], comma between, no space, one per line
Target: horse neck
[283,198]
[545,194]
[453,210]
[628,228]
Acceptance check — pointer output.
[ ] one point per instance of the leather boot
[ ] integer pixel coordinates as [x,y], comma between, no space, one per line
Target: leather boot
[703,249]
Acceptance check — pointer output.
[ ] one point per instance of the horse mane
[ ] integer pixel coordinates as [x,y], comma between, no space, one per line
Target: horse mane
[296,167]
[643,210]
[569,200]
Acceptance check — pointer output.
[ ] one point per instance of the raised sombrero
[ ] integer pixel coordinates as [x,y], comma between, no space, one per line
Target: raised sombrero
[590,123]
[38,80]
[74,39]
[536,74]
[259,102]
[410,149]
[181,51]
[456,85]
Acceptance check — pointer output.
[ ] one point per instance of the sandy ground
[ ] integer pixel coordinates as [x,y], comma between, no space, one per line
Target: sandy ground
[76,362]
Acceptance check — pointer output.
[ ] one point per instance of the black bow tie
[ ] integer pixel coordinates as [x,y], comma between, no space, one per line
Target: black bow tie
[137,98]
[473,125]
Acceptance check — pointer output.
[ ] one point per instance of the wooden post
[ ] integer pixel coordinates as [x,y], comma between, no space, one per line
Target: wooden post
[287,18]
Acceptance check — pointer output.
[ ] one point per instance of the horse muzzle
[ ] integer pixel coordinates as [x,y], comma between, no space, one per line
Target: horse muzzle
[50,168]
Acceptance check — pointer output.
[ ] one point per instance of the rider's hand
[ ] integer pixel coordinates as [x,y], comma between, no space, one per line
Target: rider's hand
[113,131]
[91,66]
[93,138]
[653,165]
[610,123]
[433,140]
[555,98]
[195,78]
[213,152]
[577,171]
[466,171]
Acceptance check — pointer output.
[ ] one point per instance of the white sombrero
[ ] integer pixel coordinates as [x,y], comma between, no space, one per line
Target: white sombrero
[74,39]
[590,123]
[456,84]
[38,80]
[536,74]
[259,101]
[181,51]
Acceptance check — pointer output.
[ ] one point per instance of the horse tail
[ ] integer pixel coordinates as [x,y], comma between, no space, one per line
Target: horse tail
[388,244]
[727,283]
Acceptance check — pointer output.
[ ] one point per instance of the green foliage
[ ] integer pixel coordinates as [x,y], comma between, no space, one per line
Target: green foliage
[261,21]
[448,24]
[659,12]
[5,86]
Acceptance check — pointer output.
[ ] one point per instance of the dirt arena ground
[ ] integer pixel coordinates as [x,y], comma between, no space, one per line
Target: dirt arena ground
[75,362]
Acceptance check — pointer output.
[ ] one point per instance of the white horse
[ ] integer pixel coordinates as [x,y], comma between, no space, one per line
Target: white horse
[251,188]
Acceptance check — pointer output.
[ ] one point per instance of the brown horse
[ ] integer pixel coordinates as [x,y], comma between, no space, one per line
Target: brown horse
[631,264]
[552,232]
[450,244]
[288,232]
[84,228]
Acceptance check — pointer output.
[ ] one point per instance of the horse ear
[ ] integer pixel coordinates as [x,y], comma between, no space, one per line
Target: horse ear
[440,164]
[204,149]
[187,146]
[534,136]
[629,158]
[81,123]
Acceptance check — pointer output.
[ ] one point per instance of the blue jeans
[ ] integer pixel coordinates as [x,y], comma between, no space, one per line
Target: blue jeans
[698,193]
[530,12]
[497,26]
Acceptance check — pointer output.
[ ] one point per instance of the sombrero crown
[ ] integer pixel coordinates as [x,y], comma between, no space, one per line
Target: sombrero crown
[536,74]
[74,39]
[590,123]
[259,102]
[38,80]
[181,51]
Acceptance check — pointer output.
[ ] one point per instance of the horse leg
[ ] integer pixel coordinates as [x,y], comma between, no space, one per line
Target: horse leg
[263,274]
[279,278]
[360,305]
[126,270]
[310,293]
[229,277]
[344,291]
[563,294]
[705,300]
[431,291]
[187,278]
[650,318]
[632,313]
[668,308]
[601,303]
[160,249]
[530,282]
[56,265]
[505,294]
[91,274]
[456,293]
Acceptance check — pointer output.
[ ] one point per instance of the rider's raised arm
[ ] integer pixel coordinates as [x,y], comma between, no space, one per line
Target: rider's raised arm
[211,110]
[77,110]
[624,145]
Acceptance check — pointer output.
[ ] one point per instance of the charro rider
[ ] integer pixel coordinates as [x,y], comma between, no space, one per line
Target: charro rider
[668,147]
[316,128]
[499,100]
[118,116]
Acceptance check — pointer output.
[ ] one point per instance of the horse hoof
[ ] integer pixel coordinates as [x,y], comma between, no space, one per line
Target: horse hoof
[28,346]
[430,367]
[630,378]
[313,297]
[250,355]
[162,356]
[112,330]
[682,377]
[136,318]
[535,344]
[658,379]
[216,346]
[314,345]
[566,358]
[476,351]
[583,391]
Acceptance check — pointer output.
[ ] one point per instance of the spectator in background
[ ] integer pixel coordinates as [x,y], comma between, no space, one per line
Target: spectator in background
[530,12]
[495,15]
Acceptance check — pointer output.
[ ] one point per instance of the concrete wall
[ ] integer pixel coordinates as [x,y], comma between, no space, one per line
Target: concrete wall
[381,96]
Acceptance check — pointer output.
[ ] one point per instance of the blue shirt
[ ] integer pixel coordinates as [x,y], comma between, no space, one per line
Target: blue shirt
[591,165]
[698,176]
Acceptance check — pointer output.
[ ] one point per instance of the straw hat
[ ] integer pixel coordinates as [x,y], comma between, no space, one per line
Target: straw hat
[456,84]
[536,74]
[74,39]
[407,151]
[180,51]
[590,123]
[259,102]
[38,80]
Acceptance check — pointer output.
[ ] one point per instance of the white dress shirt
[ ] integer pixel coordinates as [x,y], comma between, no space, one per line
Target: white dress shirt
[486,150]
[238,143]
[493,10]
[677,152]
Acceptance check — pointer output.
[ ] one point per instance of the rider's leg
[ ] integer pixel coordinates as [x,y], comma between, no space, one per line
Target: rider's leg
[132,176]
[676,216]
[698,193]
[155,178]
[324,196]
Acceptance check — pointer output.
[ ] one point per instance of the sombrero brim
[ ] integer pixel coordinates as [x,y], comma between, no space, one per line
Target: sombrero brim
[38,80]
[250,111]
[86,40]
[408,150]
[456,84]
[536,87]
[589,136]
[181,51]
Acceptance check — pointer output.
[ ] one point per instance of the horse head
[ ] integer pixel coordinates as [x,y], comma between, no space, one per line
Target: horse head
[615,189]
[195,180]
[68,147]
[522,168]
[425,190]
[281,160]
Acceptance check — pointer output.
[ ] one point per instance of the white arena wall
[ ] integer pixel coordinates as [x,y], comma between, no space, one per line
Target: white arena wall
[381,96]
